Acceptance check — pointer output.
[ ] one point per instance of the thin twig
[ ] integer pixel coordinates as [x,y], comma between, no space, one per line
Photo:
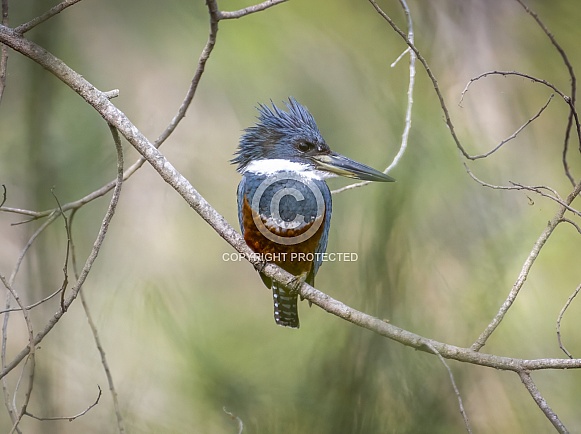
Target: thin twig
[12,413]
[23,28]
[572,223]
[84,272]
[530,260]
[528,382]
[515,134]
[33,305]
[456,391]
[69,418]
[30,361]
[236,418]
[67,252]
[3,56]
[31,240]
[3,195]
[223,15]
[93,327]
[566,98]
[555,197]
[570,100]
[410,93]
[538,189]
[203,59]
[560,317]
[573,78]
[181,113]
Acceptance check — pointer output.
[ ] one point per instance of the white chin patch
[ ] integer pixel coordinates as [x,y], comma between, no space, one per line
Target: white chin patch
[271,166]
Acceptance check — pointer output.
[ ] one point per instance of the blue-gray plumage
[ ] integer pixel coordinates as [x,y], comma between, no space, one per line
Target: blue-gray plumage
[284,204]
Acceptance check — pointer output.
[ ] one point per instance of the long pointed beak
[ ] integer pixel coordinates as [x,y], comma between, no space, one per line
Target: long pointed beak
[343,166]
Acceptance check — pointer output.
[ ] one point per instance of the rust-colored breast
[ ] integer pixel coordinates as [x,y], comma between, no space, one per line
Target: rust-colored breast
[290,256]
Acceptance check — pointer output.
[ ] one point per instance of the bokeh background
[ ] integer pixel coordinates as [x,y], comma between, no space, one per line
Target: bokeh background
[188,334]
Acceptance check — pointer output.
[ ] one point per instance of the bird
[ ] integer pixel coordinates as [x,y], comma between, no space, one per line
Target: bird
[284,203]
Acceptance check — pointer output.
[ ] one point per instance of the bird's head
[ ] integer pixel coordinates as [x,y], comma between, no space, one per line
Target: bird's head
[291,141]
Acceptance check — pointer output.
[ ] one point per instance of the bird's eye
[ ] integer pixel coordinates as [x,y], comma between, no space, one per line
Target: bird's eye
[305,146]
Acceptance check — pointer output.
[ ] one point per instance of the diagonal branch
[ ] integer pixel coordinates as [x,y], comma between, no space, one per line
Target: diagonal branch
[23,28]
[456,391]
[481,341]
[528,382]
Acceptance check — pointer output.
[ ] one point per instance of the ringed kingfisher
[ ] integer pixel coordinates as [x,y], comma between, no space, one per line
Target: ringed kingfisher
[284,203]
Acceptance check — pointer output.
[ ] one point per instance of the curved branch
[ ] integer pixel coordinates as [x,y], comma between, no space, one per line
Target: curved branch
[70,418]
[513,135]
[560,317]
[573,78]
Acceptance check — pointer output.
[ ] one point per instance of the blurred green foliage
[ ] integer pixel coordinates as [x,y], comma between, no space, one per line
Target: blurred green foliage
[188,334]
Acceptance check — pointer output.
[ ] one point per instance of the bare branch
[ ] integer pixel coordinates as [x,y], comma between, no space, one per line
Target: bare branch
[573,90]
[3,59]
[249,10]
[572,223]
[560,317]
[481,341]
[86,268]
[570,100]
[410,93]
[549,413]
[33,305]
[456,391]
[555,197]
[31,240]
[538,189]
[556,44]
[67,250]
[93,327]
[236,418]
[3,195]
[566,98]
[204,56]
[513,135]
[69,418]
[30,358]
[23,28]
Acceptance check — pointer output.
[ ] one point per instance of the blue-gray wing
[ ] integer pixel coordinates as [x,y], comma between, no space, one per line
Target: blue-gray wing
[241,188]
[322,246]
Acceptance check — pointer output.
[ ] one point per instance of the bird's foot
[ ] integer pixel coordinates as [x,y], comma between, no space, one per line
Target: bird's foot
[296,283]
[260,266]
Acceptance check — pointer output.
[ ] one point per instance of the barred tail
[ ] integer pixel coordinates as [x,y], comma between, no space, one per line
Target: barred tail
[285,307]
